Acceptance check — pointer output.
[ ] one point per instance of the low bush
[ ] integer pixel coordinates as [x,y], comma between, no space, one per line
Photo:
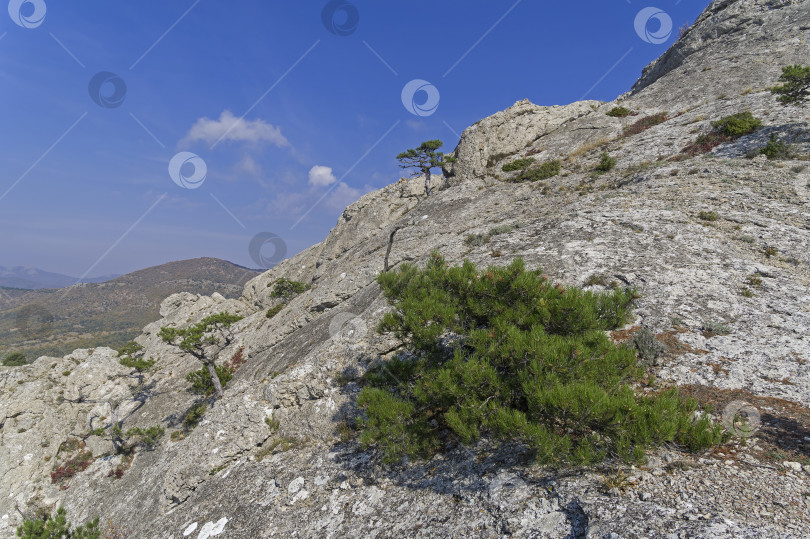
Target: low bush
[708,216]
[287,289]
[775,149]
[195,414]
[137,363]
[71,467]
[645,123]
[726,129]
[737,125]
[131,355]
[619,112]
[706,143]
[542,172]
[148,437]
[273,311]
[497,157]
[237,360]
[712,328]
[606,163]
[504,354]
[518,164]
[57,527]
[15,359]
[648,347]
[129,349]
[476,240]
[201,383]
[503,229]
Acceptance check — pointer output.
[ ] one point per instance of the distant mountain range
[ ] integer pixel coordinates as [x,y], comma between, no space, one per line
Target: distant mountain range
[47,320]
[30,278]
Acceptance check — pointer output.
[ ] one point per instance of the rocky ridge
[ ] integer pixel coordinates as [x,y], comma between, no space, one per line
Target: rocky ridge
[274,457]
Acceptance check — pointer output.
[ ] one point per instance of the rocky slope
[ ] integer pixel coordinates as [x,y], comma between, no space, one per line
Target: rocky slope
[728,298]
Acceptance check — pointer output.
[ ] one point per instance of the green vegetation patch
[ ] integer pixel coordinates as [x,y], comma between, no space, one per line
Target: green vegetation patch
[201,383]
[15,359]
[57,527]
[148,437]
[708,216]
[737,125]
[273,311]
[518,164]
[774,149]
[131,355]
[726,129]
[619,112]
[287,289]
[606,163]
[542,172]
[504,354]
[795,87]
[195,414]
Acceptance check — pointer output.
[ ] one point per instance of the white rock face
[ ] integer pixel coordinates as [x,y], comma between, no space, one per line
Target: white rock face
[269,456]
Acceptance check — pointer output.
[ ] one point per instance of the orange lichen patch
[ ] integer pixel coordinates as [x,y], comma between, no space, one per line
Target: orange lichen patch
[784,381]
[675,346]
[624,335]
[717,368]
[784,425]
[726,451]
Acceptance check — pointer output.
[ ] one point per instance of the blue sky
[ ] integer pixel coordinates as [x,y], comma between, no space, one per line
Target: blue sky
[293,120]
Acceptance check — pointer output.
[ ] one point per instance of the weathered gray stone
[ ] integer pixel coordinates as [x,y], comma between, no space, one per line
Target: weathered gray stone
[268,459]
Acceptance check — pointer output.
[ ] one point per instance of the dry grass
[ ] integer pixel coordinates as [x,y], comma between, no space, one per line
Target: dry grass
[587,148]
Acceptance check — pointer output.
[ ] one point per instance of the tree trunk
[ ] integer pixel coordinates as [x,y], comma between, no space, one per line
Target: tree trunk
[214,379]
[427,182]
[390,244]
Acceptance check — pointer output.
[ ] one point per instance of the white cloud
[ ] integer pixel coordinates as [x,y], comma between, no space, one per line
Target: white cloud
[229,127]
[295,204]
[342,196]
[248,165]
[321,176]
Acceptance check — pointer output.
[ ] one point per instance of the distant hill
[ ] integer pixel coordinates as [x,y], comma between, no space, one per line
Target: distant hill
[55,321]
[31,278]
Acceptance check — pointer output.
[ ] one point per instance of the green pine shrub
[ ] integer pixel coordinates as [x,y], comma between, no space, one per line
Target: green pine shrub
[504,354]
[131,355]
[606,163]
[129,349]
[195,414]
[287,289]
[15,359]
[201,383]
[737,125]
[542,172]
[273,311]
[518,164]
[774,149]
[795,87]
[137,363]
[57,527]
[148,437]
[619,112]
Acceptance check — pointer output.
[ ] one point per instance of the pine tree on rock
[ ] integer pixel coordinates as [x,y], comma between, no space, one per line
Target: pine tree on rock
[205,341]
[425,158]
[795,87]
